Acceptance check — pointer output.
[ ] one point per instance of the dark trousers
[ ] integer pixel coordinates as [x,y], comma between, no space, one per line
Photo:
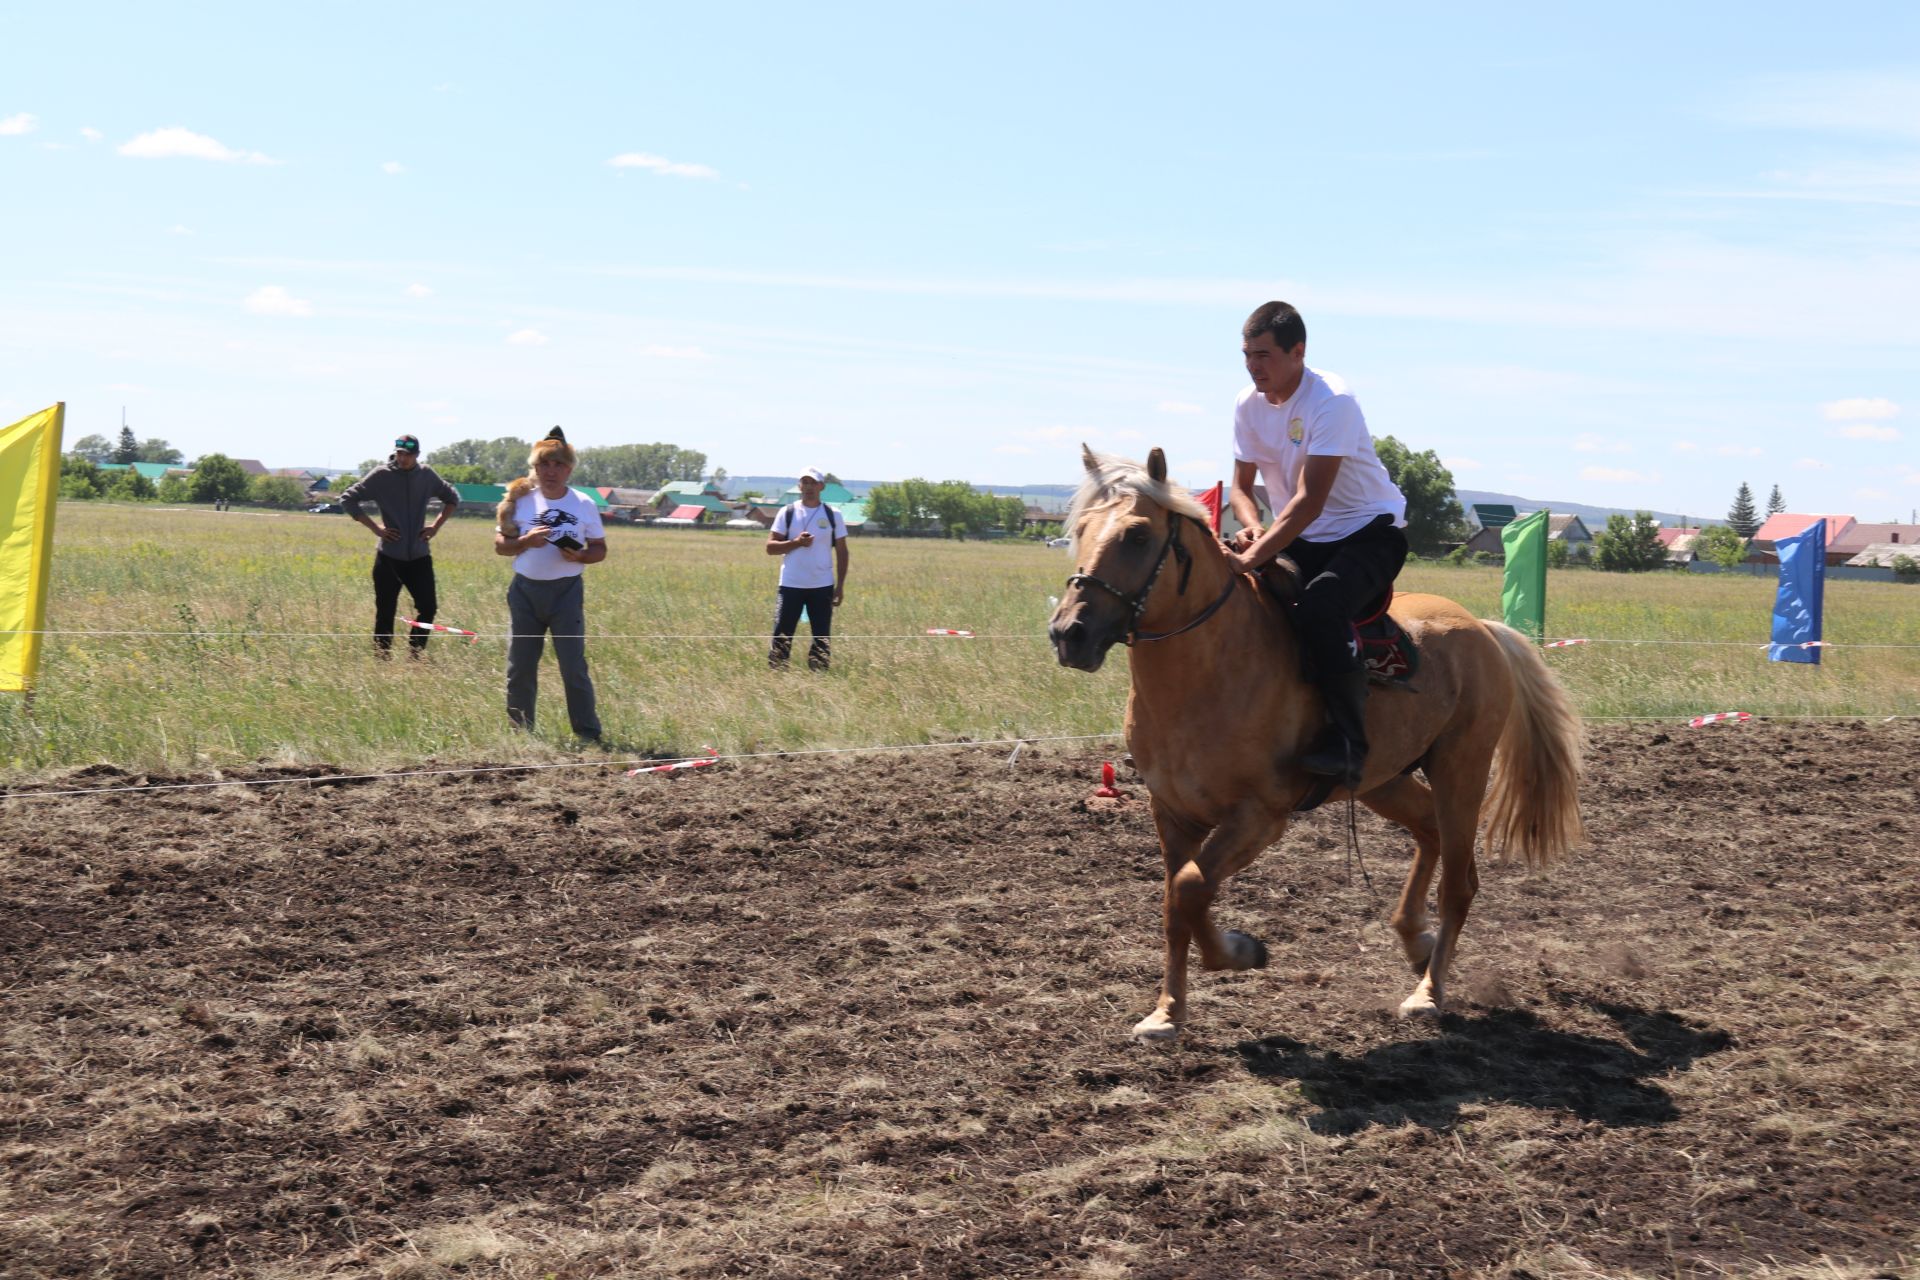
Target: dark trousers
[389,575]
[817,604]
[1341,579]
[537,606]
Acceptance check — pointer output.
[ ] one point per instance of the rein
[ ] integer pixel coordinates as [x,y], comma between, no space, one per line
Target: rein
[1136,601]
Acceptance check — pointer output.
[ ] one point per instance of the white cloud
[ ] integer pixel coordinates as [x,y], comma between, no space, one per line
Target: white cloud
[659,352]
[1590,443]
[446,420]
[1739,451]
[419,291]
[1872,495]
[1199,467]
[1866,431]
[1011,448]
[1811,464]
[1462,464]
[1617,475]
[661,165]
[1845,102]
[393,166]
[179,229]
[1876,409]
[92,135]
[820,440]
[1178,406]
[528,338]
[16,126]
[273,300]
[1129,435]
[1684,446]
[432,406]
[172,143]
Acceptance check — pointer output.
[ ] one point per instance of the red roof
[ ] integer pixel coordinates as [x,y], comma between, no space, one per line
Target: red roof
[1787,523]
[1861,536]
[688,512]
[1669,536]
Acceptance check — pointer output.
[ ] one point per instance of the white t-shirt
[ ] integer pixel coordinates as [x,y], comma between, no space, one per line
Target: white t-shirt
[574,514]
[1322,419]
[808,566]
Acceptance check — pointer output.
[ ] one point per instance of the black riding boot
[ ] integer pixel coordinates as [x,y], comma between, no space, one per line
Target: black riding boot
[1341,751]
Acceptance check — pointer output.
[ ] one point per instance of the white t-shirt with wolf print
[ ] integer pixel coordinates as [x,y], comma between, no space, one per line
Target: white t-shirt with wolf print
[574,514]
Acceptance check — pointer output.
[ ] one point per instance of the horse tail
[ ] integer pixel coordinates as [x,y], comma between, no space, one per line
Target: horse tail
[1533,804]
[520,487]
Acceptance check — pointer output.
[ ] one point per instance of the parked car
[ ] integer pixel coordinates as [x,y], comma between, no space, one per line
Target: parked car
[326,507]
[1059,542]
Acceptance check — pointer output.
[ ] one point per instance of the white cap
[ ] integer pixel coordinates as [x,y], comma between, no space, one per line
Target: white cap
[814,473]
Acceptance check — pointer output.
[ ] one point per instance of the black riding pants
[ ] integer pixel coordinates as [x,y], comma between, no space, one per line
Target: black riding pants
[389,575]
[1340,580]
[817,604]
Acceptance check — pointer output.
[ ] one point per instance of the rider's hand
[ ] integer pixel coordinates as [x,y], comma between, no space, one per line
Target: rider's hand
[388,533]
[805,539]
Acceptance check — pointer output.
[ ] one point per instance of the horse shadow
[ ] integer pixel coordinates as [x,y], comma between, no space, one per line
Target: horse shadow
[1504,1055]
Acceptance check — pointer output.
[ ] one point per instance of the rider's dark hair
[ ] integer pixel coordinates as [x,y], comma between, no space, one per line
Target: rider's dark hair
[1278,319]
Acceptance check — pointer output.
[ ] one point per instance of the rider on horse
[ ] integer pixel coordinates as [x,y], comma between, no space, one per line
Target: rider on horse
[1338,516]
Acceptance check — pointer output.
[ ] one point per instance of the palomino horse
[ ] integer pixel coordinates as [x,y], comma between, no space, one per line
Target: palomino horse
[1219,715]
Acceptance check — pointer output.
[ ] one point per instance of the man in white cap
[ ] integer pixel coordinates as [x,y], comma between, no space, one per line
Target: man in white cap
[811,538]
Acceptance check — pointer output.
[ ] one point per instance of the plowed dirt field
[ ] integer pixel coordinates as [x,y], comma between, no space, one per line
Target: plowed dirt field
[866,1016]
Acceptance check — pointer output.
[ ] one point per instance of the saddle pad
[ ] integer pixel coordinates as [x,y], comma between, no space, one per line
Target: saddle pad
[1387,650]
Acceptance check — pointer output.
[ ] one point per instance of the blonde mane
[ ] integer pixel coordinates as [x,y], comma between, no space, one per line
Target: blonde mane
[1111,477]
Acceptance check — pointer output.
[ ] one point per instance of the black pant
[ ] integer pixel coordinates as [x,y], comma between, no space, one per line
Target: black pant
[1341,579]
[389,575]
[817,603]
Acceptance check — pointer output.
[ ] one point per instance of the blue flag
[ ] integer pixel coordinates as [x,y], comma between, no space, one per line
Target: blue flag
[1796,610]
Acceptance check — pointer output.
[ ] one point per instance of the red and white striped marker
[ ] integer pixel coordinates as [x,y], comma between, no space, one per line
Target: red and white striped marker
[712,757]
[434,626]
[1561,644]
[945,631]
[1718,716]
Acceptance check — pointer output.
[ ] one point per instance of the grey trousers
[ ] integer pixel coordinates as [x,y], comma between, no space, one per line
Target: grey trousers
[536,607]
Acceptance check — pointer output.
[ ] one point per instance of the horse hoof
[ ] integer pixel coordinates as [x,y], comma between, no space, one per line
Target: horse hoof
[1156,1027]
[1244,944]
[1419,1005]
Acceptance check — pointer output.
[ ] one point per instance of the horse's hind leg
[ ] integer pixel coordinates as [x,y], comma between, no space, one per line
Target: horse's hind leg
[1458,785]
[1197,865]
[1408,802]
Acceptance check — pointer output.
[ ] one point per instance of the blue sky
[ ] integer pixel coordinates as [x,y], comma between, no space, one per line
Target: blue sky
[1629,256]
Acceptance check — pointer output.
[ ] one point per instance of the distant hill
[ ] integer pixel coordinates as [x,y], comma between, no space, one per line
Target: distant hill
[1051,497]
[1595,518]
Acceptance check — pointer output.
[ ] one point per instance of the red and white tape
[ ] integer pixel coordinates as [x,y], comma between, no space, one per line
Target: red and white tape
[712,757]
[434,626]
[1718,716]
[1561,644]
[947,631]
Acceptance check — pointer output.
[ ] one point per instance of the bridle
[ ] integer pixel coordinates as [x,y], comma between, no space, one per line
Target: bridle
[1136,602]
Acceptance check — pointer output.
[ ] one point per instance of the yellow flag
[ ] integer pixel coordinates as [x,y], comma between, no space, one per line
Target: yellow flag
[29,486]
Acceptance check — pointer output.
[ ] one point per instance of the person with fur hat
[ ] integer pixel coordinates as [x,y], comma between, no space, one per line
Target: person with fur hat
[401,490]
[562,534]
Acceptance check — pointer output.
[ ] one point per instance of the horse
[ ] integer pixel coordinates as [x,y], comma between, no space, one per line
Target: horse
[1219,715]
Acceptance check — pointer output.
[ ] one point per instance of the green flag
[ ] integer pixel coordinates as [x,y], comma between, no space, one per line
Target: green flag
[1523,595]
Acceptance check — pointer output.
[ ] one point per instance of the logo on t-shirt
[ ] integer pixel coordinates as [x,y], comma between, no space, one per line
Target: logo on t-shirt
[1296,431]
[555,518]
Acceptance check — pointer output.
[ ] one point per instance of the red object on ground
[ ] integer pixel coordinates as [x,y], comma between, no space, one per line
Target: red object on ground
[1717,717]
[712,757]
[1107,790]
[434,626]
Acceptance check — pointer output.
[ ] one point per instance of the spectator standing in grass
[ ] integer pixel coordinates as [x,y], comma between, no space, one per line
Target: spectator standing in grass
[812,538]
[401,490]
[562,535]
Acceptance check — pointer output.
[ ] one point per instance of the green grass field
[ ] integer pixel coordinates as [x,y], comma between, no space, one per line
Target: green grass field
[255,648]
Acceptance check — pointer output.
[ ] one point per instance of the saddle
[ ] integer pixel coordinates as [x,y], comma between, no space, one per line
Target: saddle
[1388,651]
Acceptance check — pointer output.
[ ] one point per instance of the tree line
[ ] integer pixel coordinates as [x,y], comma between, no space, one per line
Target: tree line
[624,466]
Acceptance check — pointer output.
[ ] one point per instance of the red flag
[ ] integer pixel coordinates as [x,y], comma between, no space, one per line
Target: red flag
[1211,501]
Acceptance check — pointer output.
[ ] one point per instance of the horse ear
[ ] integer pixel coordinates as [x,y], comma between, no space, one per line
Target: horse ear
[1157,466]
[1087,459]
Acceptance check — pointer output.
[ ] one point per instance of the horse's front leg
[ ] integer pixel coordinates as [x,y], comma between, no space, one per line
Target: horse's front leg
[1197,864]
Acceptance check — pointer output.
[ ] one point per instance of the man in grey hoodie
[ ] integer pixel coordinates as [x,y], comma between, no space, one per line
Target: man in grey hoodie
[401,490]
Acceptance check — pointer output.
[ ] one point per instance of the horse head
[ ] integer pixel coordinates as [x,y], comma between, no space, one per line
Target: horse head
[1127,523]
